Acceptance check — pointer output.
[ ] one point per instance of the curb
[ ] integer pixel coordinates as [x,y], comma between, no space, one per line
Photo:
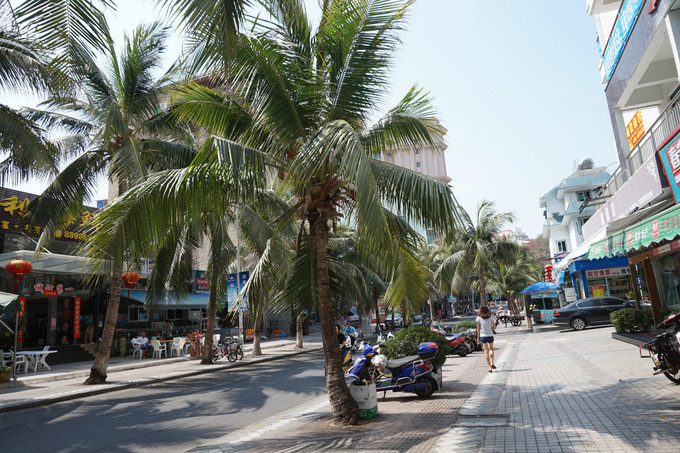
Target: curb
[107,388]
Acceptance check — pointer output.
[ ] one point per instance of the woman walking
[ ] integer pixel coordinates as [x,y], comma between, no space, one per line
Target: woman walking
[485,328]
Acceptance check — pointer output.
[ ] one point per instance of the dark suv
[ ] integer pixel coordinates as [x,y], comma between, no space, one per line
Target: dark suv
[590,311]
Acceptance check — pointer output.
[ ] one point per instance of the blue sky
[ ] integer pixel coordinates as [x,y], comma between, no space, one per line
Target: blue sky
[515,83]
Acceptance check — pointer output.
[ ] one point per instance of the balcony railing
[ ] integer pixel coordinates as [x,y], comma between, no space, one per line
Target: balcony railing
[645,148]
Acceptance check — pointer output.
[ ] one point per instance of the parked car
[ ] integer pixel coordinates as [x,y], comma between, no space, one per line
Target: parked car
[588,312]
[398,321]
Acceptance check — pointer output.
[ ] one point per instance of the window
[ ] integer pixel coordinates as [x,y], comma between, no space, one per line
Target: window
[583,220]
[137,313]
[585,304]
[561,246]
[581,196]
[418,164]
[417,151]
[389,155]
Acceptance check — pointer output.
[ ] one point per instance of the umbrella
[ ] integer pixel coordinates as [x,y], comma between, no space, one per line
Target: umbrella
[540,287]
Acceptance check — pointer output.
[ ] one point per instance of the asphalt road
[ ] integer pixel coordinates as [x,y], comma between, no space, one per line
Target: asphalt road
[172,416]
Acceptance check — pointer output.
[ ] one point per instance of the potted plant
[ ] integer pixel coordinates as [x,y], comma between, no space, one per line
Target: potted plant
[194,340]
[5,373]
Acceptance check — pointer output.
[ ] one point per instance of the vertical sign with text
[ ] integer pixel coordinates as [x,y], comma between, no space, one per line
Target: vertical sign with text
[242,280]
[22,312]
[76,318]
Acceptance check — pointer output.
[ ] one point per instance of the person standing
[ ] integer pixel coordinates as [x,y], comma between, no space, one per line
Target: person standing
[168,330]
[485,328]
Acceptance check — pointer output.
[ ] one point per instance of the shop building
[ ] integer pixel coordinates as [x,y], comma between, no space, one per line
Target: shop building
[636,213]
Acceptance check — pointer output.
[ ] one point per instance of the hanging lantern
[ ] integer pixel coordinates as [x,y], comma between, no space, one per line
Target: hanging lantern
[19,267]
[548,273]
[130,278]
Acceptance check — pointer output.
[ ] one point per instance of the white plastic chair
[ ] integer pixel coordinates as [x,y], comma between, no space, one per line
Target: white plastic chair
[186,345]
[158,349]
[21,362]
[177,346]
[137,350]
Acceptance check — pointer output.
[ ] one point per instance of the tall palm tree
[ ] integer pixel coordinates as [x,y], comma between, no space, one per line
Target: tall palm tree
[475,248]
[115,128]
[301,102]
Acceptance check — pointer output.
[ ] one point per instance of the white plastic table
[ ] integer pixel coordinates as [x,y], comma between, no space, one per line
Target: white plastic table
[36,359]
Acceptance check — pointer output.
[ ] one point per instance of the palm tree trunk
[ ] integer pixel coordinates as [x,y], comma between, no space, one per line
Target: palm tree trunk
[298,332]
[482,288]
[345,409]
[257,349]
[377,313]
[212,310]
[101,361]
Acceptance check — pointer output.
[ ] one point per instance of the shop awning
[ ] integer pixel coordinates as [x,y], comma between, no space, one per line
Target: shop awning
[662,226]
[50,262]
[9,303]
[169,299]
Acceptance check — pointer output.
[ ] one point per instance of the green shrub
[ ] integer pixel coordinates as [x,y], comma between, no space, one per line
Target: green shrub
[464,325]
[406,341]
[628,320]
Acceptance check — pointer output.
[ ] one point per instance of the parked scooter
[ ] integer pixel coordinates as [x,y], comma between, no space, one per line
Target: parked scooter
[411,374]
[457,345]
[665,349]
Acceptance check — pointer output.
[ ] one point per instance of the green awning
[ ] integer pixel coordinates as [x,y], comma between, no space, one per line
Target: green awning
[662,226]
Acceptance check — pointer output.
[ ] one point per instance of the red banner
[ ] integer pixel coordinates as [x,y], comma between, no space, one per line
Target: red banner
[20,333]
[250,334]
[76,318]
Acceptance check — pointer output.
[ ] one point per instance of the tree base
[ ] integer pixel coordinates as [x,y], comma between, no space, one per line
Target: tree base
[95,378]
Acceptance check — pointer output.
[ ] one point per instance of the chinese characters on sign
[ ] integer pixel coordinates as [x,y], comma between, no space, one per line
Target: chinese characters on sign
[49,290]
[22,313]
[615,272]
[13,207]
[635,129]
[76,318]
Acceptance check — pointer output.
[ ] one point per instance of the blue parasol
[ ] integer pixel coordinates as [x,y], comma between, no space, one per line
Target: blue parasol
[539,288]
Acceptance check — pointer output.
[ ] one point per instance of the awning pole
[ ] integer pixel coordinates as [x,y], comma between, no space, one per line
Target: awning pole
[14,352]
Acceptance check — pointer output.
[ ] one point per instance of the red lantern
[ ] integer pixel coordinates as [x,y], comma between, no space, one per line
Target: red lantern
[548,273]
[130,278]
[18,267]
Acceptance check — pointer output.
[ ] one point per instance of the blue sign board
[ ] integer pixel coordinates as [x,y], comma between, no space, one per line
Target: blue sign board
[242,280]
[624,25]
[232,291]
[605,263]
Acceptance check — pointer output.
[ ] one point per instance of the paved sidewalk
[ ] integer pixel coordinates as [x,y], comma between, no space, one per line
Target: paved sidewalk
[65,381]
[554,391]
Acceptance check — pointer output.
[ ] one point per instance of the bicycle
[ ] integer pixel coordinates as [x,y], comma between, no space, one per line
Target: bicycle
[234,351]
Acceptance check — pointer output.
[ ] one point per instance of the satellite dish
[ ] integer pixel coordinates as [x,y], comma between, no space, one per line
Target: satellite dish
[586,164]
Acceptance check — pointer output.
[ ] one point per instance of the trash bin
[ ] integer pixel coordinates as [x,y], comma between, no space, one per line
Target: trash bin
[366,398]
[123,346]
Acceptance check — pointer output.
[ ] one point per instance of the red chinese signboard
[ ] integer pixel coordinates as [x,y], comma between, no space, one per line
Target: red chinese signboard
[76,318]
[635,129]
[20,333]
[250,334]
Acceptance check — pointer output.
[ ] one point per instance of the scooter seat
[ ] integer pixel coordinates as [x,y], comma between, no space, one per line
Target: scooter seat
[396,365]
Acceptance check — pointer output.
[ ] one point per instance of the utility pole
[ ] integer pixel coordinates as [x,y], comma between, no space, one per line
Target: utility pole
[238,279]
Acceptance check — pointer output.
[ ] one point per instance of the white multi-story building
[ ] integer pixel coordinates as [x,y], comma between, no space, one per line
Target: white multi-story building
[564,217]
[427,160]
[516,235]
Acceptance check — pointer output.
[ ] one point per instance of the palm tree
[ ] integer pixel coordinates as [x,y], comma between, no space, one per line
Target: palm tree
[511,272]
[475,248]
[300,102]
[115,128]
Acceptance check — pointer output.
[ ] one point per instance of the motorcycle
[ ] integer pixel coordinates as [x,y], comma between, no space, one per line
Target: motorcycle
[410,374]
[457,345]
[665,349]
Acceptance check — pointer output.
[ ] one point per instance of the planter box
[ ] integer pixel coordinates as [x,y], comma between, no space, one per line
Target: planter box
[6,376]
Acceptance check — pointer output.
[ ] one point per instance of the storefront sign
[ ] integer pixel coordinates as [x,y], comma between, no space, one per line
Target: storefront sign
[49,290]
[640,189]
[670,158]
[663,226]
[13,206]
[201,283]
[250,334]
[624,25]
[597,291]
[22,313]
[608,272]
[76,317]
[635,129]
[570,294]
